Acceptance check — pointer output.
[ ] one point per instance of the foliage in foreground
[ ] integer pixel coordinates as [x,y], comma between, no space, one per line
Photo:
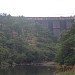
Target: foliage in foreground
[71,72]
[65,54]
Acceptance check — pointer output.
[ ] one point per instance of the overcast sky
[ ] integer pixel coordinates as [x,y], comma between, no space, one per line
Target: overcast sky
[38,8]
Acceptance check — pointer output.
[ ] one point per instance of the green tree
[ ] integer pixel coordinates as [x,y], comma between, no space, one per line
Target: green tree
[65,49]
[4,54]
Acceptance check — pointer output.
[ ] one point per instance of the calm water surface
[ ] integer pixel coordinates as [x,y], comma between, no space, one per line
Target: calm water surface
[27,70]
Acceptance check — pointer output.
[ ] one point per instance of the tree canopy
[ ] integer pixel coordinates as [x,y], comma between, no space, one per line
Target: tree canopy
[66,47]
[24,41]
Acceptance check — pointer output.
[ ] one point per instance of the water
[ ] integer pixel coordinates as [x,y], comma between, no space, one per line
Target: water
[27,70]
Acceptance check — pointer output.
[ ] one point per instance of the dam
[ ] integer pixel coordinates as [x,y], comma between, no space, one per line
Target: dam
[56,24]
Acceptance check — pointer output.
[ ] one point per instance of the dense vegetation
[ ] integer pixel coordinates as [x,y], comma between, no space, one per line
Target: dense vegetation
[65,54]
[24,41]
[28,41]
[71,72]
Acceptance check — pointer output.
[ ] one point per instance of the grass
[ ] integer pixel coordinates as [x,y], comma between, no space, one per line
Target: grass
[69,72]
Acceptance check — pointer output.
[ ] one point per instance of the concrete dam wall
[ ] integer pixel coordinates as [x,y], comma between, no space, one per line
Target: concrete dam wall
[56,24]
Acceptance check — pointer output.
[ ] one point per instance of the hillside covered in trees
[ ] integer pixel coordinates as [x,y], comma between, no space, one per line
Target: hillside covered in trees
[28,41]
[23,41]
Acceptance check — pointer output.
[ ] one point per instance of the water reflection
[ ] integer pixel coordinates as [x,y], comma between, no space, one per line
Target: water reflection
[27,70]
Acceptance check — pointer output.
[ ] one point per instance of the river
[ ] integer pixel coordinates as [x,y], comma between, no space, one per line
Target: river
[27,70]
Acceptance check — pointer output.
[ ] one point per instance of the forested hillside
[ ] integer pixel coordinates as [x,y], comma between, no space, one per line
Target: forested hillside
[24,41]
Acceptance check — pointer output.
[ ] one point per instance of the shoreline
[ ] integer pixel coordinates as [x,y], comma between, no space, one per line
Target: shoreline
[31,64]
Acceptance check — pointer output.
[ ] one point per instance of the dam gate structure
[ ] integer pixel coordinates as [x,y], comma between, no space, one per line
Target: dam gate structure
[56,24]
